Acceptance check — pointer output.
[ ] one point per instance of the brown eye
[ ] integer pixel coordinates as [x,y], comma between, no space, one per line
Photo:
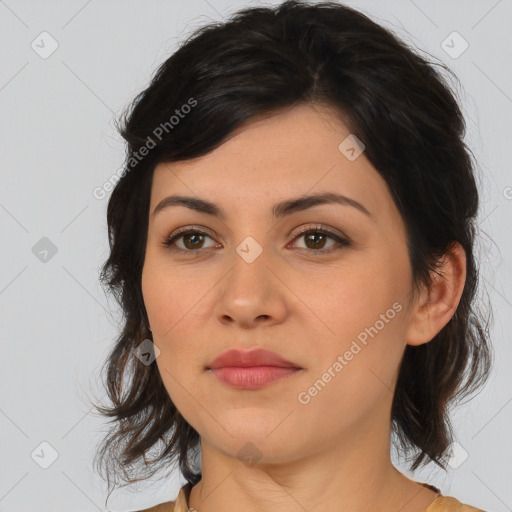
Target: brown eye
[193,240]
[315,240]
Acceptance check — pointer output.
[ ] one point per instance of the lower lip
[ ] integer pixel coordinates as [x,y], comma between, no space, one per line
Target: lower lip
[253,377]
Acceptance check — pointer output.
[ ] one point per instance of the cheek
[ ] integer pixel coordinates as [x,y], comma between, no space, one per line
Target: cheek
[354,376]
[171,293]
[349,299]
[172,305]
[362,318]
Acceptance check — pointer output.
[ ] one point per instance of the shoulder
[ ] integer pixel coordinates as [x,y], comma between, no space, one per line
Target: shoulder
[450,504]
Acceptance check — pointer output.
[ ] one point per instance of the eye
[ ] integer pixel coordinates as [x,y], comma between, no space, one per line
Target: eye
[192,238]
[315,238]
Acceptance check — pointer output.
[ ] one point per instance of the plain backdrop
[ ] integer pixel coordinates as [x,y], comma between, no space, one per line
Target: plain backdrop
[58,99]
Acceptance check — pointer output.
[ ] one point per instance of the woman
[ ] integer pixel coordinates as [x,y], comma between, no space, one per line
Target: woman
[292,246]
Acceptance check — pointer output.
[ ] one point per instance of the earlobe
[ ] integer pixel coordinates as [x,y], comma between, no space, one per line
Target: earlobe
[437,304]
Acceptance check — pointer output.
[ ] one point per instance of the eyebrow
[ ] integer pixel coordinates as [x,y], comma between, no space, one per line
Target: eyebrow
[279,210]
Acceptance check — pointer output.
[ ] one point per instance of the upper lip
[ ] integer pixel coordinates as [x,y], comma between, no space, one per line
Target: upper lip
[247,358]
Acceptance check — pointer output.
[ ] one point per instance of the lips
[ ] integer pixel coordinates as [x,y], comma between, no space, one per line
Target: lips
[251,358]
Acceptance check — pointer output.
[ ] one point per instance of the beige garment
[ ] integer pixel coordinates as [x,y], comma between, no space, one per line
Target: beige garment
[440,504]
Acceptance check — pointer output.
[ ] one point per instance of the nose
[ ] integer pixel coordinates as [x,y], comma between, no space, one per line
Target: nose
[251,294]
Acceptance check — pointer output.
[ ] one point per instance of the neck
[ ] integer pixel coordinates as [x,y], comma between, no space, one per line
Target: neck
[342,480]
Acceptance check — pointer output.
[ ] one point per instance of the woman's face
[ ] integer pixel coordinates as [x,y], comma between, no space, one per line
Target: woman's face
[250,280]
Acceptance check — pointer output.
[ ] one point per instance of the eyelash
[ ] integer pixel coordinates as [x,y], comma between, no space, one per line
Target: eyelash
[342,242]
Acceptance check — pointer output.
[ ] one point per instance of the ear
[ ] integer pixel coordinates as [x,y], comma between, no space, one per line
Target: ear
[436,305]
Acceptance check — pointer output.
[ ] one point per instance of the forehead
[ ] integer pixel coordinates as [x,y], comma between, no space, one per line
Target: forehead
[292,153]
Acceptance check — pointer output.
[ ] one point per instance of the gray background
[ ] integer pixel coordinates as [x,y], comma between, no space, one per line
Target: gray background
[58,143]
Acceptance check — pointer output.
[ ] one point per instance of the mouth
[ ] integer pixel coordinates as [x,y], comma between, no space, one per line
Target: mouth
[249,359]
[251,369]
[252,377]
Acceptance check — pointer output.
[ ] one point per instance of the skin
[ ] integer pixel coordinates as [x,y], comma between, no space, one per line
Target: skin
[332,453]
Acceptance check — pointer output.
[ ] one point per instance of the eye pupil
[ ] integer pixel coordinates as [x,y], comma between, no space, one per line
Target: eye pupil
[313,236]
[192,236]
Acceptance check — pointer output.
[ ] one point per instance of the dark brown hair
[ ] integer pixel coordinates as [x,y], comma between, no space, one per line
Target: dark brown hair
[260,61]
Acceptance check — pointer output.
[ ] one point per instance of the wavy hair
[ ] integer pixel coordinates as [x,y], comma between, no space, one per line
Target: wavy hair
[397,102]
